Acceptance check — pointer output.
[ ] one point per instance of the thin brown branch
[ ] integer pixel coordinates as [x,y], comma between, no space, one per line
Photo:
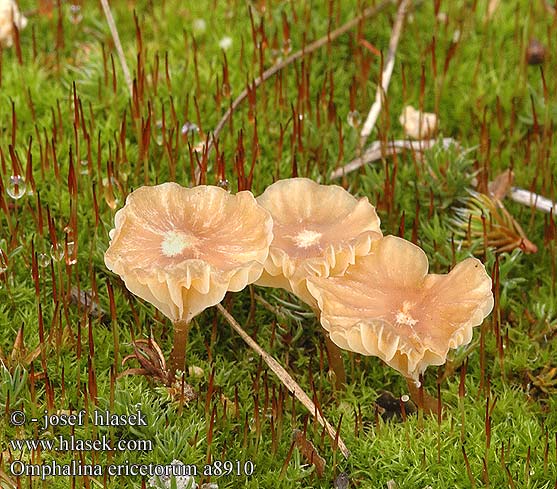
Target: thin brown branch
[382,88]
[330,37]
[286,379]
[118,44]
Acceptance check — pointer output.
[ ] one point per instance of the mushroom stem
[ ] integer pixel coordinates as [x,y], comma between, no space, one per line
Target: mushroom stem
[178,355]
[334,355]
[287,380]
[336,362]
[425,402]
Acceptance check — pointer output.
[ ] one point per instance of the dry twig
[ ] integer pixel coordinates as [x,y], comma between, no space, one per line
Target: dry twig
[323,41]
[378,150]
[287,380]
[382,88]
[528,198]
[118,44]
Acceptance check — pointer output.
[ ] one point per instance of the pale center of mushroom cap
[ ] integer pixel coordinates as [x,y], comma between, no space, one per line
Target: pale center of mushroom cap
[307,238]
[403,316]
[175,242]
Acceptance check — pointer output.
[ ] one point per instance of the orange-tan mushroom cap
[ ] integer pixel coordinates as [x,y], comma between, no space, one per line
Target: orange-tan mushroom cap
[387,305]
[182,249]
[319,230]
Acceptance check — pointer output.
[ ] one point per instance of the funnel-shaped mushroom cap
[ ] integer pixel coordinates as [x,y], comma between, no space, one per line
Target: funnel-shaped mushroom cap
[318,231]
[388,306]
[182,249]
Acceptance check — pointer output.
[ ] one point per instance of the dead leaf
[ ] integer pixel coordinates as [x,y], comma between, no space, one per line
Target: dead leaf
[341,481]
[85,300]
[46,8]
[501,184]
[309,452]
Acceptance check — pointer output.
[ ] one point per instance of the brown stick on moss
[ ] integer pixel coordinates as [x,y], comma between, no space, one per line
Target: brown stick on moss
[287,380]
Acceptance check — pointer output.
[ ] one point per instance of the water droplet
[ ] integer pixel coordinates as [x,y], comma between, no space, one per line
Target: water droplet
[276,55]
[286,47]
[57,252]
[418,384]
[159,138]
[43,260]
[124,170]
[84,167]
[109,192]
[71,255]
[189,128]
[16,187]
[199,25]
[75,14]
[199,147]
[442,17]
[405,398]
[3,261]
[225,43]
[225,184]
[354,118]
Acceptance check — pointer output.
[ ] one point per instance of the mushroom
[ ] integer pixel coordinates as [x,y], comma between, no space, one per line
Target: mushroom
[182,249]
[10,18]
[319,230]
[388,305]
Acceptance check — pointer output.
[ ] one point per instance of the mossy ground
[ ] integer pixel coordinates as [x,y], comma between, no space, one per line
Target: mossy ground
[467,67]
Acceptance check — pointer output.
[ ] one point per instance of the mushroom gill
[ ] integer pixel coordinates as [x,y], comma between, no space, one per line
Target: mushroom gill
[319,230]
[182,249]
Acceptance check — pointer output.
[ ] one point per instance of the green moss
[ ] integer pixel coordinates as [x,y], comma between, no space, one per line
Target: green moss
[485,101]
